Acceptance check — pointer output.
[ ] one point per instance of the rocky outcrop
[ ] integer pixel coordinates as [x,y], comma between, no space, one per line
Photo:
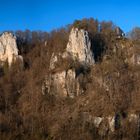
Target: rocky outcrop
[138,59]
[109,124]
[63,83]
[53,61]
[8,48]
[79,47]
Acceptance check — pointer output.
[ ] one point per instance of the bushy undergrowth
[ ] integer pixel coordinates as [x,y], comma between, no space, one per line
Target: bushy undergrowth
[26,114]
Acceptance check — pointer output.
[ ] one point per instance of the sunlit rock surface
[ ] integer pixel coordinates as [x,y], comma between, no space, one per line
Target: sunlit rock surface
[8,48]
[79,47]
[63,83]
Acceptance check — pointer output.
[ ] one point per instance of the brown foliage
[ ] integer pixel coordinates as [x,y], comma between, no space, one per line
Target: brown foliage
[111,86]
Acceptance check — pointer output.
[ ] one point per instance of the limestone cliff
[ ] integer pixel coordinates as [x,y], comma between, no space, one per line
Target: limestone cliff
[79,47]
[8,48]
[65,81]
[63,84]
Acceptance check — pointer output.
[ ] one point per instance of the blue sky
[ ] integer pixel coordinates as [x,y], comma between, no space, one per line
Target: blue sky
[50,14]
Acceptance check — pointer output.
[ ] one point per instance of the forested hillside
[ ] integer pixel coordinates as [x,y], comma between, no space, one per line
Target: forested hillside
[79,82]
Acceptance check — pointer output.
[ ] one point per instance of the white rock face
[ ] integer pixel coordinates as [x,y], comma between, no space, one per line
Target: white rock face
[8,48]
[108,123]
[137,59]
[111,122]
[133,118]
[79,47]
[59,80]
[97,121]
[63,83]
[53,60]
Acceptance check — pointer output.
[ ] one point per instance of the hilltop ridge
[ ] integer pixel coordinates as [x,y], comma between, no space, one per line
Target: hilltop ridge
[75,83]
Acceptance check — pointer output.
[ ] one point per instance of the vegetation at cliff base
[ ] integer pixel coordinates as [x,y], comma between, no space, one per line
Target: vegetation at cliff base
[27,114]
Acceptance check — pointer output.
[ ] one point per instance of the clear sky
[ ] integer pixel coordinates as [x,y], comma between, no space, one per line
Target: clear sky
[50,14]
